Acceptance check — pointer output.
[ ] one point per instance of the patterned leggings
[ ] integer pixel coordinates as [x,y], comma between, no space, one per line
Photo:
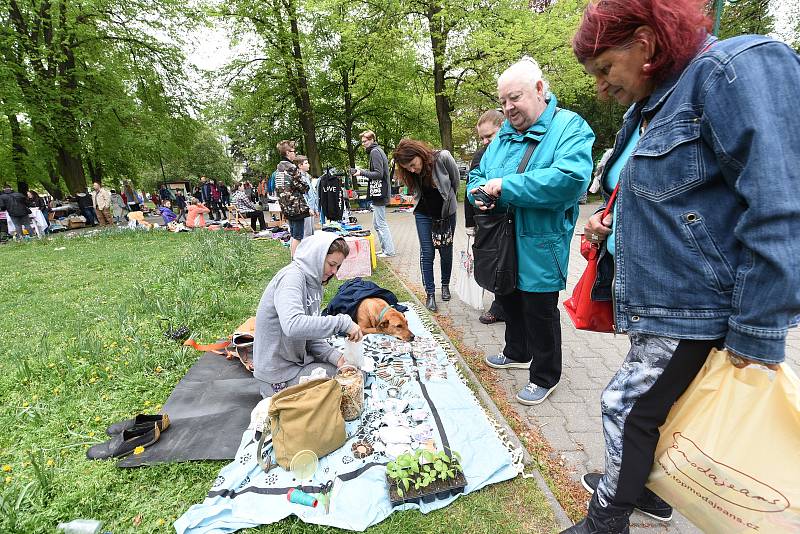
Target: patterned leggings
[656,371]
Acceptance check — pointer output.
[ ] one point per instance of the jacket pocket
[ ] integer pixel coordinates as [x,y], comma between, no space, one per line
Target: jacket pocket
[666,161]
[541,261]
[718,271]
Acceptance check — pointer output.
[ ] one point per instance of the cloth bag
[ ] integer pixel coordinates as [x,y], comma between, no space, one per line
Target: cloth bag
[729,454]
[495,247]
[588,314]
[306,417]
[466,287]
[359,261]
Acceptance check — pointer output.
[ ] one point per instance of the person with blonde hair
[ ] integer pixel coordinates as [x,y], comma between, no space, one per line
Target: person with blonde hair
[287,151]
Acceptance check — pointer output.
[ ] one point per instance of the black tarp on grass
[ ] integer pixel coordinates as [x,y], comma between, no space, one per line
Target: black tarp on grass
[209,410]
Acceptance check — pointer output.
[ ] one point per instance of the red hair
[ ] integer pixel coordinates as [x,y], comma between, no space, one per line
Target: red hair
[679,26]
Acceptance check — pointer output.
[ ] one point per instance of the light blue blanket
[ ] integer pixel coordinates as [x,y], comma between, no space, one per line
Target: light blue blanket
[244,496]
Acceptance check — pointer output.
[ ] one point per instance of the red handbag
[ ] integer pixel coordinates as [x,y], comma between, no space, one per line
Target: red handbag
[588,314]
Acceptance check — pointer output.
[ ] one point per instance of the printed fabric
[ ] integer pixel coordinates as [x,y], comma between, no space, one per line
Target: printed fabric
[291,196]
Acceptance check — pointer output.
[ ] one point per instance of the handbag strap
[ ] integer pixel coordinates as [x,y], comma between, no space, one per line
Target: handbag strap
[267,464]
[611,200]
[529,151]
[527,157]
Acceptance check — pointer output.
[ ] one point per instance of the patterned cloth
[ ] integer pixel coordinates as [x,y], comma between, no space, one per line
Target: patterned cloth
[243,203]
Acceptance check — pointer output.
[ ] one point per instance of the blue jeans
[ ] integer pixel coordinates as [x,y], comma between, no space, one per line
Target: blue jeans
[91,216]
[297,228]
[427,252]
[382,229]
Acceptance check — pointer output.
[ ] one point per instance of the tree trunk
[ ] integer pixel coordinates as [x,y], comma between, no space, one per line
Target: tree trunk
[95,169]
[306,110]
[70,167]
[348,118]
[18,150]
[439,31]
[52,186]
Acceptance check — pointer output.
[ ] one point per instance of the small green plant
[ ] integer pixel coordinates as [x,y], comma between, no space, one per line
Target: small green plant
[421,468]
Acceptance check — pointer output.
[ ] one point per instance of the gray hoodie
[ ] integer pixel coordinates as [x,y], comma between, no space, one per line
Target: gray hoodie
[290,332]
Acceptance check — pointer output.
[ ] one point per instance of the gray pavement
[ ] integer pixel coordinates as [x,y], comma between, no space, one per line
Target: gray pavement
[570,418]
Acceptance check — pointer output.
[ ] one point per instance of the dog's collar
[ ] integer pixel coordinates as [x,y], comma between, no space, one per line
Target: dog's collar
[383,313]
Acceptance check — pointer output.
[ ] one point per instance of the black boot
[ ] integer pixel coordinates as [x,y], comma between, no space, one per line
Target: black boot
[602,520]
[648,502]
[445,292]
[430,303]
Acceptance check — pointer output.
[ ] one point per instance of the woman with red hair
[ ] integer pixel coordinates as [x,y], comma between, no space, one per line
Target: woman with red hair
[701,248]
[432,176]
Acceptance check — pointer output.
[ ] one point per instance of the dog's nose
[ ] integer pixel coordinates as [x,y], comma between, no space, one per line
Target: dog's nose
[412,337]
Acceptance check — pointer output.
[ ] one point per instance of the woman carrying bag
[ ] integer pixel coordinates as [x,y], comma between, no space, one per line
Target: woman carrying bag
[432,176]
[702,239]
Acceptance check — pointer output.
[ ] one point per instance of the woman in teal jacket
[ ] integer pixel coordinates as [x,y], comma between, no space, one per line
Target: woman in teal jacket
[544,198]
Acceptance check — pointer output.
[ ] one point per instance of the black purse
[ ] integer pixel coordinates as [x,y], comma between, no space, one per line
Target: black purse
[495,249]
[441,233]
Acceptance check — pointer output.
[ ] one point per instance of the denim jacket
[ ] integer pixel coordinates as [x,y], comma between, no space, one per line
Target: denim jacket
[708,211]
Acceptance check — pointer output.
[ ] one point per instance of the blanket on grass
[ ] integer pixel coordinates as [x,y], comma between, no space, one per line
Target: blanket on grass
[244,496]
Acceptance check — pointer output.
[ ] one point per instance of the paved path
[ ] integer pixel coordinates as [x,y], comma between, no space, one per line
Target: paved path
[570,418]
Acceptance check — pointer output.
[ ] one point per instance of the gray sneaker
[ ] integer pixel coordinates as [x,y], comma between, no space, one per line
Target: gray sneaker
[499,361]
[532,394]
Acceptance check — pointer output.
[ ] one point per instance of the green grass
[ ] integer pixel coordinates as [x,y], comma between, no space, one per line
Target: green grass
[82,348]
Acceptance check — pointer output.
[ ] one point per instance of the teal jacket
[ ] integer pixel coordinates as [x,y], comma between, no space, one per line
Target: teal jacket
[544,197]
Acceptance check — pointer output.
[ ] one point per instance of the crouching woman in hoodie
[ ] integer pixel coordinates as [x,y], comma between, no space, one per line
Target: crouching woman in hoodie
[290,332]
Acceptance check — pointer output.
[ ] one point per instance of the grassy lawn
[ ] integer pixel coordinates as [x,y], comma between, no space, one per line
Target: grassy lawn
[82,348]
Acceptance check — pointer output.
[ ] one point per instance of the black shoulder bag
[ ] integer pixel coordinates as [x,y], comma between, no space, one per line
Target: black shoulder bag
[495,249]
[442,231]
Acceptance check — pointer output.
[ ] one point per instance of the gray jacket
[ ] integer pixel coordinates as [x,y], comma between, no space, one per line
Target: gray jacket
[446,178]
[378,174]
[290,333]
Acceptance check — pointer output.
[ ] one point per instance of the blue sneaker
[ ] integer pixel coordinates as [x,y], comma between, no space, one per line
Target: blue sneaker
[499,361]
[532,394]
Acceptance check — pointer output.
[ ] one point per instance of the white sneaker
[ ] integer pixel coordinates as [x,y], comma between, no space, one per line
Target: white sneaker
[382,255]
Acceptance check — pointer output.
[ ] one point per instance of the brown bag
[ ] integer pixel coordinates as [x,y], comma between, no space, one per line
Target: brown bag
[307,416]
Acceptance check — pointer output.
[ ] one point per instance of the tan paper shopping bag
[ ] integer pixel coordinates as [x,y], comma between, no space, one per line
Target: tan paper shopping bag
[729,454]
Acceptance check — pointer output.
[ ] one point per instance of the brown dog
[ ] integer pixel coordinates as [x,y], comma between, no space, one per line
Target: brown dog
[375,316]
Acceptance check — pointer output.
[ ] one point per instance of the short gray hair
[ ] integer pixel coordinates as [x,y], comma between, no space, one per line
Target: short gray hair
[527,70]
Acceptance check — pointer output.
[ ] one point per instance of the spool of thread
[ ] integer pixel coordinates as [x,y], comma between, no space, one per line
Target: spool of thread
[301,497]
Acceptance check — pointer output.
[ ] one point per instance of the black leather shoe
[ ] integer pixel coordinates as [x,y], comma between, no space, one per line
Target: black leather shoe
[162,420]
[430,303]
[648,502]
[446,293]
[124,444]
[602,520]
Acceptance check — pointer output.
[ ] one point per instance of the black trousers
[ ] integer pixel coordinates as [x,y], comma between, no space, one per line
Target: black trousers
[533,333]
[257,215]
[497,310]
[636,403]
